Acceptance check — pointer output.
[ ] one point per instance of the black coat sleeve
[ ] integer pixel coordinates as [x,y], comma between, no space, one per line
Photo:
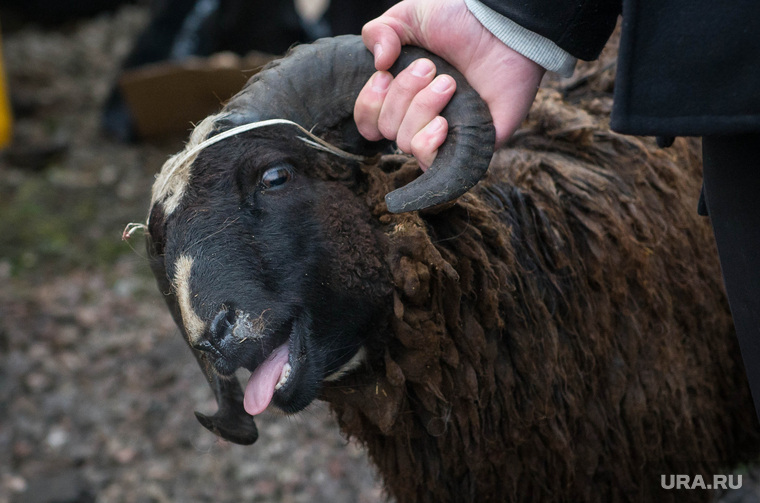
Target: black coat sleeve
[580,27]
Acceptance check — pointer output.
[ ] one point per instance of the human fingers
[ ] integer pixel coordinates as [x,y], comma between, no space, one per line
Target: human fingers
[383,37]
[426,105]
[403,90]
[424,145]
[369,103]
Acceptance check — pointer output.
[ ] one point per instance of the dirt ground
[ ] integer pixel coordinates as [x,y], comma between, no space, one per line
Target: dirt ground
[97,389]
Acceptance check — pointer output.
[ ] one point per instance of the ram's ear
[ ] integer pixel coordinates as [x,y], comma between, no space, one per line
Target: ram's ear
[316,85]
[231,421]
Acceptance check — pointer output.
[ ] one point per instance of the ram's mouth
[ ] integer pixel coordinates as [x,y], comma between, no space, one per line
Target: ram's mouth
[269,377]
[282,377]
[291,375]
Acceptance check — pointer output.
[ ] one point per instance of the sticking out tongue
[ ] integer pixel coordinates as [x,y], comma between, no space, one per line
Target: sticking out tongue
[261,385]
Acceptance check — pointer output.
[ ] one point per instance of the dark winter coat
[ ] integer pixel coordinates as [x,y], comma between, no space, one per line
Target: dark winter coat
[685,67]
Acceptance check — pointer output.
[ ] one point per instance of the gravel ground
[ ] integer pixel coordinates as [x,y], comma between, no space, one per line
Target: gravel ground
[97,388]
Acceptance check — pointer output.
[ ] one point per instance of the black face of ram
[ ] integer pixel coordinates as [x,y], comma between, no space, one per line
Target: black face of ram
[260,272]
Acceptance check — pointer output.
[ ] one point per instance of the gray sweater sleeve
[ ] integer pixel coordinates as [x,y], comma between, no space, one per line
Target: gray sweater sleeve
[531,45]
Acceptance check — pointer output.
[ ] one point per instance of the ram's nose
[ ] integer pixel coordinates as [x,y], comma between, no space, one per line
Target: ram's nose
[223,326]
[234,339]
[220,328]
[224,339]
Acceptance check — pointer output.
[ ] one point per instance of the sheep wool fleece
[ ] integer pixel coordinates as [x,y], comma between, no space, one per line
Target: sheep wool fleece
[685,68]
[545,345]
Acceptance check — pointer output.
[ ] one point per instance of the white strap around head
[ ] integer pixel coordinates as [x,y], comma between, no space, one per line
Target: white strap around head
[313,140]
[174,176]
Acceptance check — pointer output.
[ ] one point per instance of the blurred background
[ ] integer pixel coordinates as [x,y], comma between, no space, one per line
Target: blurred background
[97,387]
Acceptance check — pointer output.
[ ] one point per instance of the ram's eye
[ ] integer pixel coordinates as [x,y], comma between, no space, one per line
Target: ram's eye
[276,176]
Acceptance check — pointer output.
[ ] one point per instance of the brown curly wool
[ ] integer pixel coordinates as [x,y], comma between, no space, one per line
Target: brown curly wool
[558,334]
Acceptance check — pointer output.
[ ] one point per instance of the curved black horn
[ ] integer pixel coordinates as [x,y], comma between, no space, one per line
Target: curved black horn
[231,421]
[316,86]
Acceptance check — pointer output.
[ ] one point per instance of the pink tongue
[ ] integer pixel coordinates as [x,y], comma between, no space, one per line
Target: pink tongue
[260,388]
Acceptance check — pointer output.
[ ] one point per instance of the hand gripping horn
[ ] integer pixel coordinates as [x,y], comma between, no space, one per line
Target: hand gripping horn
[316,86]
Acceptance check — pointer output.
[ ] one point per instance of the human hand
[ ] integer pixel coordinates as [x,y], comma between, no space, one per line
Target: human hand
[407,109]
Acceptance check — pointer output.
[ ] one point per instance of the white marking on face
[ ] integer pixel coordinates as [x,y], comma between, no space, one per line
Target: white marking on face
[171,183]
[350,365]
[194,326]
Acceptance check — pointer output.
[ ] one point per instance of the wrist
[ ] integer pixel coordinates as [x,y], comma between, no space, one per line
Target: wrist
[531,45]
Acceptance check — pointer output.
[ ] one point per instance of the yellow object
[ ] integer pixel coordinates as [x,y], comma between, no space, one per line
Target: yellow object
[6,119]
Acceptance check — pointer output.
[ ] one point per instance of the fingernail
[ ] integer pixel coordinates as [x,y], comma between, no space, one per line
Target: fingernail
[381,82]
[441,84]
[422,67]
[434,125]
[377,51]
